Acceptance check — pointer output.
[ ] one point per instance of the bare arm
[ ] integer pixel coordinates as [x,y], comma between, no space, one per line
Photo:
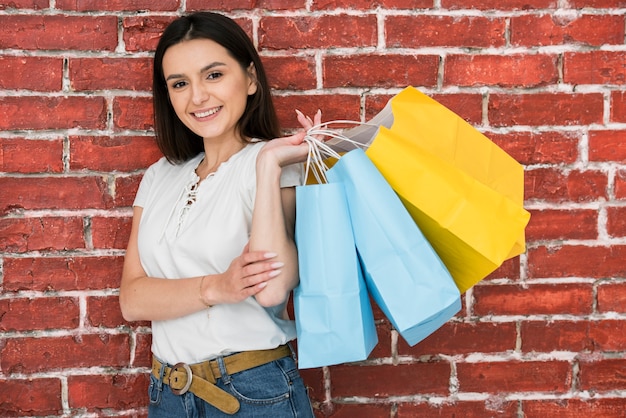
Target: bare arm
[273,220]
[150,298]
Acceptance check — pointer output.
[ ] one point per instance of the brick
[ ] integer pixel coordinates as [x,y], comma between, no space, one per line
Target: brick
[52,112]
[514,376]
[457,338]
[143,346]
[536,109]
[365,70]
[368,5]
[41,234]
[30,397]
[62,273]
[555,186]
[374,103]
[499,5]
[53,193]
[317,32]
[133,113]
[117,392]
[466,105]
[573,336]
[465,409]
[597,4]
[338,410]
[591,407]
[31,73]
[142,33]
[119,153]
[535,299]
[110,232]
[381,381]
[22,314]
[602,375]
[110,74]
[515,70]
[20,155]
[383,330]
[555,224]
[230,5]
[510,269]
[314,381]
[618,106]
[612,297]
[58,32]
[29,355]
[290,73]
[596,67]
[550,29]
[620,184]
[446,31]
[334,107]
[24,4]
[607,146]
[577,261]
[117,5]
[539,147]
[616,221]
[125,190]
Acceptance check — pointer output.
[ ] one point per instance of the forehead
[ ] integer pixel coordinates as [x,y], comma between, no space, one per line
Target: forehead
[193,55]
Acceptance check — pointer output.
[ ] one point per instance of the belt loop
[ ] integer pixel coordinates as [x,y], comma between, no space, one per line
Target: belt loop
[225,376]
[161,374]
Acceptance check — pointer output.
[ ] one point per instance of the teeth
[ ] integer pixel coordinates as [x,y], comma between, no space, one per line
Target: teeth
[207,113]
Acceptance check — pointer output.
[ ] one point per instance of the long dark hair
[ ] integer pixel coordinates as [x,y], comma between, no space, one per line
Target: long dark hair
[177,142]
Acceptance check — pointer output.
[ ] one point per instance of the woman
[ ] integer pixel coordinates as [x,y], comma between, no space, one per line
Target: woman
[211,258]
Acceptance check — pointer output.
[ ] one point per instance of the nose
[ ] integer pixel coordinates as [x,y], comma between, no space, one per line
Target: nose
[199,93]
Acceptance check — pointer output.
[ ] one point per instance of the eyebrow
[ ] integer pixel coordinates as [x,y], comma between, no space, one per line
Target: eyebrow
[203,70]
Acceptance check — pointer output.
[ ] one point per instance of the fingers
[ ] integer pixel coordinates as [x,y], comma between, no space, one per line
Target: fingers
[259,267]
[306,121]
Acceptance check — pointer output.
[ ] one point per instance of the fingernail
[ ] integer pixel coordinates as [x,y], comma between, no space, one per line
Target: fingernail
[262,285]
[319,111]
[270,255]
[274,273]
[277,264]
[298,112]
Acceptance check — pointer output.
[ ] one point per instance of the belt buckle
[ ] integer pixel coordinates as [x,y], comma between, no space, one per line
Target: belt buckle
[187,370]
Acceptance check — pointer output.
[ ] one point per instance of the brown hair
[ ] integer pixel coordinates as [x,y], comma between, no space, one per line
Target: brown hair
[177,142]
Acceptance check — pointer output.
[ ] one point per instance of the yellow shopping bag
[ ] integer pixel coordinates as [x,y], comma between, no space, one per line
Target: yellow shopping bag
[463,191]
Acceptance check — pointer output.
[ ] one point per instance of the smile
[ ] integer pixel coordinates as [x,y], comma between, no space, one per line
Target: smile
[207,113]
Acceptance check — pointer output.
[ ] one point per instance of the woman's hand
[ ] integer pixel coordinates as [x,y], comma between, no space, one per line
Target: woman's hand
[246,276]
[291,149]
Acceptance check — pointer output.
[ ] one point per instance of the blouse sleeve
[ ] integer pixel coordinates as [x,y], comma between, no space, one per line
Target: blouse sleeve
[146,183]
[292,175]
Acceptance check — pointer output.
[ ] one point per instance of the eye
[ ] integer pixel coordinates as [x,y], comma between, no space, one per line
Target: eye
[178,84]
[213,75]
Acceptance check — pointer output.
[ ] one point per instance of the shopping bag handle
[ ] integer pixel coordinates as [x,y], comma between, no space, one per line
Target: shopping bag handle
[316,137]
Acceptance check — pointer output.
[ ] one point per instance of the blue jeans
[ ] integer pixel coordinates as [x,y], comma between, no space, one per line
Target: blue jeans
[274,389]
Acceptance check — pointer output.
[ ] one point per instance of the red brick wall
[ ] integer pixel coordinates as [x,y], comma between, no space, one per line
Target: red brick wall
[544,336]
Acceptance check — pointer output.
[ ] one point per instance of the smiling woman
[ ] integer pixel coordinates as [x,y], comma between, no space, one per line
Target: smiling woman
[211,258]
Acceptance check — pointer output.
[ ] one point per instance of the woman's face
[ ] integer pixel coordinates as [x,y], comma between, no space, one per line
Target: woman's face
[207,87]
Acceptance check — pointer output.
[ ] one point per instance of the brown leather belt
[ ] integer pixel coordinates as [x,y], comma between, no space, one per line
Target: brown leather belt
[200,378]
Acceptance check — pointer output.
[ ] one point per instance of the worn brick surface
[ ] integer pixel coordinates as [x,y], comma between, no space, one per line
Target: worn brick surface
[543,335]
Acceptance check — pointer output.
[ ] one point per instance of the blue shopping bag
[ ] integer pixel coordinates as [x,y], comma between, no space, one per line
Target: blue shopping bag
[404,275]
[334,319]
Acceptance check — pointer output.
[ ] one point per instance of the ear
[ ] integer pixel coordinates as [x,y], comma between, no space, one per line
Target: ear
[252,87]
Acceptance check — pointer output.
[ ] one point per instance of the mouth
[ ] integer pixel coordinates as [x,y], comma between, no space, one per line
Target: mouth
[206,113]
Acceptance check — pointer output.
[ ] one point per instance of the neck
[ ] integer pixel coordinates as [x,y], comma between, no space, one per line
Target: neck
[217,153]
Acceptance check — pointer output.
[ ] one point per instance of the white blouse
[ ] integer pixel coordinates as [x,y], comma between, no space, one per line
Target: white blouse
[188,231]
